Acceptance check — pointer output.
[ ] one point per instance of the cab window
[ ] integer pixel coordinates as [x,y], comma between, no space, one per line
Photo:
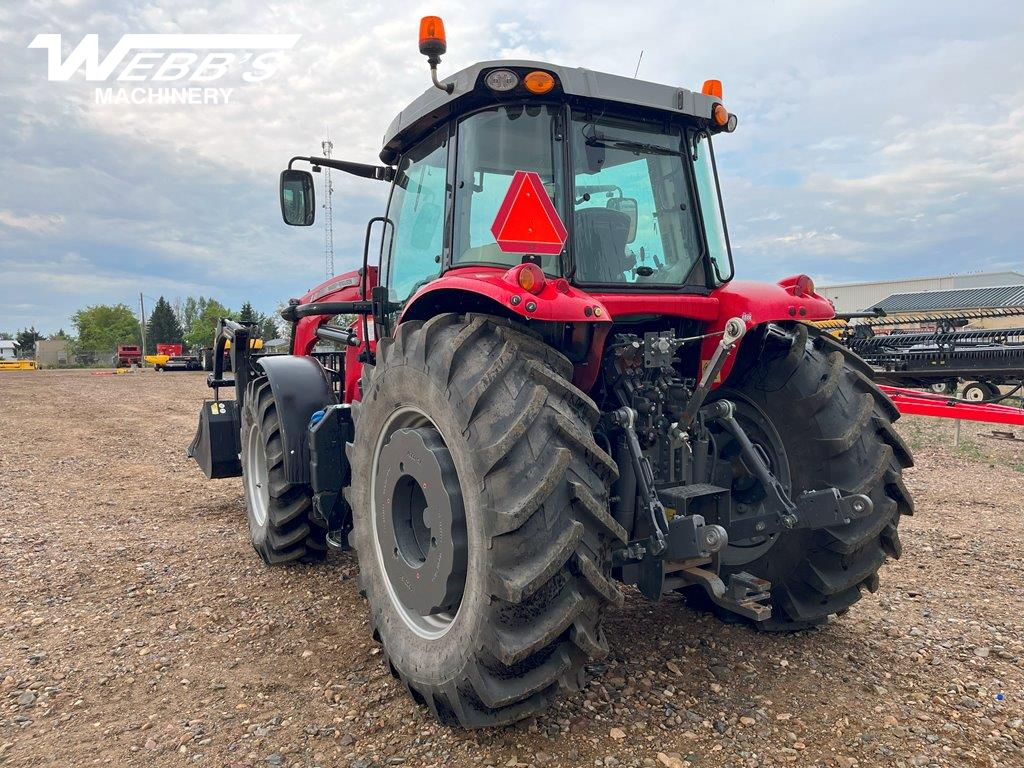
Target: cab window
[706,176]
[492,145]
[634,219]
[417,212]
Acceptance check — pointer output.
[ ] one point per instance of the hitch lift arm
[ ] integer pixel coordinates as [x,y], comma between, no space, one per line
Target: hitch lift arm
[812,509]
[625,418]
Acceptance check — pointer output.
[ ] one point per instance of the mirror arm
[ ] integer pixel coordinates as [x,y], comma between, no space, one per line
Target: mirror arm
[377,172]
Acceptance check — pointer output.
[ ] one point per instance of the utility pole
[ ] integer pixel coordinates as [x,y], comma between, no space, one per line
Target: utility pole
[328,146]
[142,323]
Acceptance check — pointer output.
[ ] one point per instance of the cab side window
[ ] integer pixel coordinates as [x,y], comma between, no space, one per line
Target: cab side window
[417,210]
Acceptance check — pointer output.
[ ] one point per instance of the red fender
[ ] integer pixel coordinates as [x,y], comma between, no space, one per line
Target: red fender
[759,303]
[556,301]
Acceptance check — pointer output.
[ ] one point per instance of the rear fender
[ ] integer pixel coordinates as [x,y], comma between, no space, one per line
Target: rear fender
[497,292]
[301,387]
[458,290]
[760,303]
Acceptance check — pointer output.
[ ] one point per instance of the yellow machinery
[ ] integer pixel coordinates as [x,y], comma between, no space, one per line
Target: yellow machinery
[18,365]
[253,344]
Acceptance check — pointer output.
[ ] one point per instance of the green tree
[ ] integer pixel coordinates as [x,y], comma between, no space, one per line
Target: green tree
[191,308]
[163,327]
[26,341]
[6,336]
[61,334]
[102,327]
[267,324]
[269,329]
[200,333]
[249,315]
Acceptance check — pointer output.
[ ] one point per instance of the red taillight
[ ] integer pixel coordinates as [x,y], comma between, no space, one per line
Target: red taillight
[804,286]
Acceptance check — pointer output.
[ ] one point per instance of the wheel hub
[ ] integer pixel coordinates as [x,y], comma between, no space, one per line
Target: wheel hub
[748,495]
[420,521]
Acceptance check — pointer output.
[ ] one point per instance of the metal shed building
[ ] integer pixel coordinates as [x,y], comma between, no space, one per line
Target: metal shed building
[854,297]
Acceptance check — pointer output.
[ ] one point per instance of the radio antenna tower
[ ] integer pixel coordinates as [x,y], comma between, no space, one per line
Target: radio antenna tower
[327,145]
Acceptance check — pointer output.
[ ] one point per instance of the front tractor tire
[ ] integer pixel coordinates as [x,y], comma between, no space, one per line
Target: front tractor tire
[281,520]
[809,404]
[481,522]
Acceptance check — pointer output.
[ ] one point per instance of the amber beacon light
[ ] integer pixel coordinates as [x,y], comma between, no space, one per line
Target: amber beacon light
[432,39]
[432,45]
[719,114]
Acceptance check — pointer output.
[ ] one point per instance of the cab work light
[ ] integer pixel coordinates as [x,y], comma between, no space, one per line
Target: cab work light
[501,80]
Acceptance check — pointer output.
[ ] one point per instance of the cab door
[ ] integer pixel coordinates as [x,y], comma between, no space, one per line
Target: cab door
[413,251]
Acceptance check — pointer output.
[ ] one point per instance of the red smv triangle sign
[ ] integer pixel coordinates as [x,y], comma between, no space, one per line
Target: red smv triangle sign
[527,222]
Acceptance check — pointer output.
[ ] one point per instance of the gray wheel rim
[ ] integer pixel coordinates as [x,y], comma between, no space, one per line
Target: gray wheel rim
[429,627]
[975,393]
[257,481]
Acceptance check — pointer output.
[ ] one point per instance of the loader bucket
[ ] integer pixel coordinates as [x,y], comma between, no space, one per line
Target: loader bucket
[216,445]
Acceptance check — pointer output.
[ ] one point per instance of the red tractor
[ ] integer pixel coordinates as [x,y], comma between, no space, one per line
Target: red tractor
[554,385]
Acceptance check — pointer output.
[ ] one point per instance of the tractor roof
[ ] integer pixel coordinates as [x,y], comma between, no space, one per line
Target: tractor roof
[434,105]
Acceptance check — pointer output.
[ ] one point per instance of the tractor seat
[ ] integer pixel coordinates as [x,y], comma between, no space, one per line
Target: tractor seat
[601,235]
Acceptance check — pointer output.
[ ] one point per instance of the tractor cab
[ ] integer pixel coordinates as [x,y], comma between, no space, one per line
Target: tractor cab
[626,169]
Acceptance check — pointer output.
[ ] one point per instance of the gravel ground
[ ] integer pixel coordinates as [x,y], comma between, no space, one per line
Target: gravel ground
[137,627]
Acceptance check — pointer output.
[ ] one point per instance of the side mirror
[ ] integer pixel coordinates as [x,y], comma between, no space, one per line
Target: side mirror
[298,199]
[628,206]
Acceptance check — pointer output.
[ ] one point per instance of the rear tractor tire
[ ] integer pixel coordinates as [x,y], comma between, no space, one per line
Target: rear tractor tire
[281,521]
[810,406]
[481,519]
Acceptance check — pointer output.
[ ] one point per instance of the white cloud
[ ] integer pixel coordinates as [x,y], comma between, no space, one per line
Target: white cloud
[32,222]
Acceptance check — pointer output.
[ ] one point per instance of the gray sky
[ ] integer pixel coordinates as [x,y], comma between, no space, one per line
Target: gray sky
[875,139]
